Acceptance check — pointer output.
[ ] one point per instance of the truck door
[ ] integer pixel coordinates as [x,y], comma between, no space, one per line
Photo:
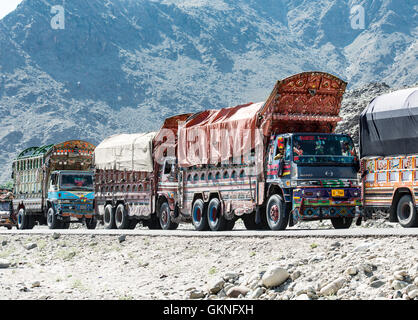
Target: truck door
[280,161]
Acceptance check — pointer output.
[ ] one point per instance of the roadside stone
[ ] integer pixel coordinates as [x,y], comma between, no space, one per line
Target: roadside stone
[295,275]
[303,297]
[36,284]
[195,294]
[416,281]
[234,292]
[400,275]
[274,276]
[352,271]
[332,287]
[377,284]
[4,264]
[410,288]
[257,293]
[30,246]
[367,268]
[230,276]
[364,246]
[56,235]
[3,242]
[397,284]
[122,238]
[413,294]
[216,285]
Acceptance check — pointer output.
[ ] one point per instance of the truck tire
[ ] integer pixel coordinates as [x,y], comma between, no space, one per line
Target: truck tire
[341,223]
[199,216]
[216,219]
[91,223]
[22,222]
[165,218]
[109,217]
[51,219]
[277,217]
[407,212]
[121,217]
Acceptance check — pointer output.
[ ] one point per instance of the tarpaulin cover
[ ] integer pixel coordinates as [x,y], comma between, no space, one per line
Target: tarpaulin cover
[305,102]
[132,152]
[389,124]
[217,135]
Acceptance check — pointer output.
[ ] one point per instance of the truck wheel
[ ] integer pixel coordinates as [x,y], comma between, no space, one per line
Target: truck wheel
[22,220]
[199,218]
[341,223]
[109,217]
[91,223]
[407,212]
[165,218]
[277,217]
[121,217]
[51,219]
[216,220]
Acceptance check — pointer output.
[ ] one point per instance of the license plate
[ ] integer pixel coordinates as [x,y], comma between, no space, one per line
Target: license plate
[338,193]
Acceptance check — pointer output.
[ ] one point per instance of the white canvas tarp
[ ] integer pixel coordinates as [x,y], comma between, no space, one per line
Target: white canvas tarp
[125,152]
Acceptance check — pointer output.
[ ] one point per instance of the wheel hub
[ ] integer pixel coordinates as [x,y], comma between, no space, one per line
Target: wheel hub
[274,213]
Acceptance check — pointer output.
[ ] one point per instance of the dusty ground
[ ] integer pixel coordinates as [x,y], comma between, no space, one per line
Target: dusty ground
[138,267]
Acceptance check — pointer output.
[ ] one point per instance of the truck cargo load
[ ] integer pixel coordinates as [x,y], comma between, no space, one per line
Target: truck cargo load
[306,102]
[131,152]
[389,124]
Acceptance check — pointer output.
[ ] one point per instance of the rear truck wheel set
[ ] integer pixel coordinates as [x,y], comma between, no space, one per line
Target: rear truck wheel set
[210,217]
[199,216]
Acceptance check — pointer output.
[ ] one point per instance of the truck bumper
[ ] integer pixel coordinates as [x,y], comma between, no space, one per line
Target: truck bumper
[308,205]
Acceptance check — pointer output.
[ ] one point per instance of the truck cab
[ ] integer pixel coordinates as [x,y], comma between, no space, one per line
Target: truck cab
[70,194]
[316,174]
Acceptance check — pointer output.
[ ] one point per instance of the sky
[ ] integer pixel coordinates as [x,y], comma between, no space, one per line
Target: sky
[7,6]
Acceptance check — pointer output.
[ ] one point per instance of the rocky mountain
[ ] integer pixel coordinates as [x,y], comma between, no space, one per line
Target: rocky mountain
[124,65]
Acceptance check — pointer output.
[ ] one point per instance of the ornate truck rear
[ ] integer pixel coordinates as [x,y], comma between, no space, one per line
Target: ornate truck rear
[389,157]
[53,185]
[318,181]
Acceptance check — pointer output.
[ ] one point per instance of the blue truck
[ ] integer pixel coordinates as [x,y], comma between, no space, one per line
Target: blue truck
[53,185]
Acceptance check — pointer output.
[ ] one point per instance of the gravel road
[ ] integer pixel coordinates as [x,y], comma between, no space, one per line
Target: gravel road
[128,266]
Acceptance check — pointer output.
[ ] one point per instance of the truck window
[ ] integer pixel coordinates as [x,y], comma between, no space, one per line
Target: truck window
[76,181]
[323,149]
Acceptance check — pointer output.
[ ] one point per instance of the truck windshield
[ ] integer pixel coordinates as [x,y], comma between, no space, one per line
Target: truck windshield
[329,149]
[76,181]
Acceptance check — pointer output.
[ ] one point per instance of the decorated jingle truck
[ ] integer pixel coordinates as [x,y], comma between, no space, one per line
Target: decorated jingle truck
[389,157]
[136,178]
[272,163]
[53,185]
